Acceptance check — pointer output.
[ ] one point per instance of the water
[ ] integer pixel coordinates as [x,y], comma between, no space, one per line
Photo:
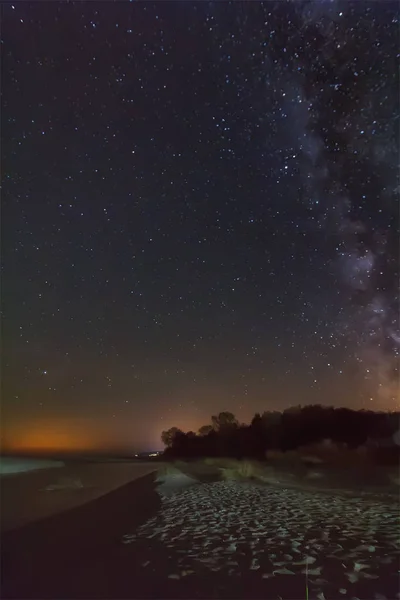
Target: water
[10,465]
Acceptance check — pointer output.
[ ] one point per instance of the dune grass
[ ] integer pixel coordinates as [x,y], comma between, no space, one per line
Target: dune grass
[325,464]
[241,470]
[167,469]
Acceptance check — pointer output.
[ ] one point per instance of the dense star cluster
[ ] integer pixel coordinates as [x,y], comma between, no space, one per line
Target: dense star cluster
[200,213]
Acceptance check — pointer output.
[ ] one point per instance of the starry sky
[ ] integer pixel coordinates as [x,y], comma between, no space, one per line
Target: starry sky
[200,213]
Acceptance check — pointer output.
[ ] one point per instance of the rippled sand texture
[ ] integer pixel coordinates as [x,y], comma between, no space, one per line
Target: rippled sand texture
[340,547]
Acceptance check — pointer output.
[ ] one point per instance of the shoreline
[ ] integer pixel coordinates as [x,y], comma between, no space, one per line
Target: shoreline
[63,547]
[34,495]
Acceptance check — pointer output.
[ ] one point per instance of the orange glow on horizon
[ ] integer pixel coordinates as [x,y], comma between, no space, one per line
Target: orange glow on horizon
[50,437]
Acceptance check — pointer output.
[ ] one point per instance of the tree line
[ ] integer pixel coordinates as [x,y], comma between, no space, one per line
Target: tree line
[294,427]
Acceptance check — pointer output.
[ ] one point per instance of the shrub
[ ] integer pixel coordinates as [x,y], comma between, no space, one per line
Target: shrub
[246,469]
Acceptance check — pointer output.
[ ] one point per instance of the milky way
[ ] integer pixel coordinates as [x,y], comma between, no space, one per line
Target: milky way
[357,121]
[347,123]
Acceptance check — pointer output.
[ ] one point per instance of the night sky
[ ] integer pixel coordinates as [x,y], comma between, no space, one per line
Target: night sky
[199,213]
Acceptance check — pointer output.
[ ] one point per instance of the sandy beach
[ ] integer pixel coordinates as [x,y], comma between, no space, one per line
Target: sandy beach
[34,495]
[69,554]
[207,540]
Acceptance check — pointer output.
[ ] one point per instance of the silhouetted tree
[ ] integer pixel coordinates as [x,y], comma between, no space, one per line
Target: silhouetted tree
[168,436]
[295,427]
[205,429]
[257,422]
[224,421]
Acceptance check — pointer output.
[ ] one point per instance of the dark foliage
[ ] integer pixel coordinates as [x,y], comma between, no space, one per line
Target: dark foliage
[295,427]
